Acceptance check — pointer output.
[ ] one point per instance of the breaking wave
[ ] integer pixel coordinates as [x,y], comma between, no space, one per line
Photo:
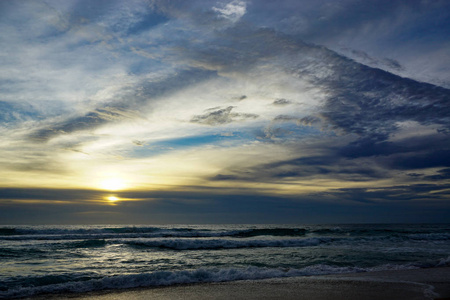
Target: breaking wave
[69,284]
[195,244]
[50,233]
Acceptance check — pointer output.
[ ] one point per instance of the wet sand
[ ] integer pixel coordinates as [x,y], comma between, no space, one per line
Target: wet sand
[433,283]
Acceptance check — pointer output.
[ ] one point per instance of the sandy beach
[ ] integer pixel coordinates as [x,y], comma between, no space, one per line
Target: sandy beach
[433,283]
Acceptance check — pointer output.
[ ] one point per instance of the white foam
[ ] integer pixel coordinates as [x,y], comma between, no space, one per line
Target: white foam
[164,278]
[445,262]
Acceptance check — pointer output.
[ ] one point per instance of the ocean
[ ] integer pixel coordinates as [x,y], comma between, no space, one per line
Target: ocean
[36,260]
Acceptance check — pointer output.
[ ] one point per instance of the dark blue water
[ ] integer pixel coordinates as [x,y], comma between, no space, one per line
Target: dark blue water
[62,259]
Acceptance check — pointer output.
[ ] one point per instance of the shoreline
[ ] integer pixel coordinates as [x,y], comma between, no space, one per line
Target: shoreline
[427,283]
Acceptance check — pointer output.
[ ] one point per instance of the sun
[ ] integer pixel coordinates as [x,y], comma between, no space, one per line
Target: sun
[113,184]
[112,199]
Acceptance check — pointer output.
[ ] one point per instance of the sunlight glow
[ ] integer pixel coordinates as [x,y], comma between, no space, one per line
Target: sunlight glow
[112,199]
[113,184]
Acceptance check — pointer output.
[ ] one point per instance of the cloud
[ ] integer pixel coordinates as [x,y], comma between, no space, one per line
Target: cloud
[225,177]
[220,116]
[249,46]
[314,167]
[430,159]
[281,101]
[428,192]
[384,63]
[370,102]
[138,143]
[90,121]
[284,118]
[442,174]
[232,11]
[413,34]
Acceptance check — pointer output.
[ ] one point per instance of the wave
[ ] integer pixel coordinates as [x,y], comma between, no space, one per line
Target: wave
[8,231]
[167,243]
[48,231]
[211,244]
[18,253]
[139,232]
[430,236]
[270,232]
[66,284]
[354,230]
[216,244]
[108,232]
[87,244]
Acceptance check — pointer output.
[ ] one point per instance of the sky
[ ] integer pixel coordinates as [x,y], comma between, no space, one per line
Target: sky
[158,112]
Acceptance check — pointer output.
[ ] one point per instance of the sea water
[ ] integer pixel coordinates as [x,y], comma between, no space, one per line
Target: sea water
[38,260]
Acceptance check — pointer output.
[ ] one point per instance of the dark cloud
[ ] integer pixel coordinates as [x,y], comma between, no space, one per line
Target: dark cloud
[369,102]
[220,116]
[285,118]
[220,177]
[431,159]
[149,91]
[443,174]
[322,20]
[319,166]
[416,152]
[359,160]
[304,121]
[275,133]
[427,192]
[369,147]
[375,62]
[237,48]
[138,143]
[89,121]
[392,63]
[329,166]
[289,127]
[415,175]
[281,102]
[308,121]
